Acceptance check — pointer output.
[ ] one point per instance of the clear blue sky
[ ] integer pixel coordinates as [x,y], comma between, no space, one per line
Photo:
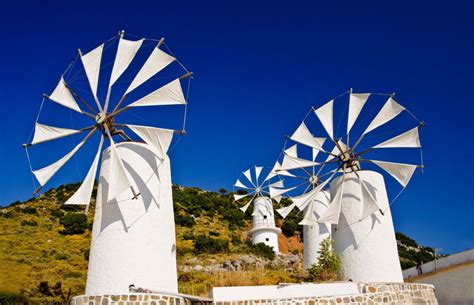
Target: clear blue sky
[259,67]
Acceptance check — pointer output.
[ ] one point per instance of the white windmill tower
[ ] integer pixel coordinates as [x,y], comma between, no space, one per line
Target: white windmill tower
[133,236]
[263,229]
[360,210]
[311,196]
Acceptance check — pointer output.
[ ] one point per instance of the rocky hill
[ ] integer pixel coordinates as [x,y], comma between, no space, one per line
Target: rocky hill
[44,246]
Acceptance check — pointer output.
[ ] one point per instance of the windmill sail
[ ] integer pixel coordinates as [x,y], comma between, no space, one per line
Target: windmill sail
[356,103]
[45,133]
[83,194]
[409,139]
[63,96]
[303,136]
[126,51]
[157,61]
[169,94]
[158,138]
[91,62]
[399,171]
[389,111]
[325,116]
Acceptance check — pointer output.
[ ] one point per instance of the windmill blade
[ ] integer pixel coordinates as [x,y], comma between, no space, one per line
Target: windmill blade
[274,192]
[277,171]
[278,184]
[331,215]
[241,185]
[389,111]
[356,103]
[258,170]
[126,51]
[289,163]
[91,62]
[83,194]
[409,139]
[303,136]
[303,200]
[44,133]
[309,217]
[63,96]
[325,116]
[238,197]
[169,94]
[369,203]
[156,62]
[246,206]
[249,177]
[292,151]
[158,138]
[286,210]
[277,198]
[399,171]
[315,151]
[44,174]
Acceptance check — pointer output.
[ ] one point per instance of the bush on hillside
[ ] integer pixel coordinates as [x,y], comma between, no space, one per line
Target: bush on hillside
[29,210]
[74,223]
[262,250]
[407,241]
[10,298]
[205,244]
[289,227]
[30,223]
[328,266]
[184,220]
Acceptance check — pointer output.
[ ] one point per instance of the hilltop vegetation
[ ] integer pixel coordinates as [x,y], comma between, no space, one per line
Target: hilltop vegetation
[44,246]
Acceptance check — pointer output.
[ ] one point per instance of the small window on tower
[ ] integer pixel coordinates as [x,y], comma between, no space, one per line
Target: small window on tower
[267,239]
[264,216]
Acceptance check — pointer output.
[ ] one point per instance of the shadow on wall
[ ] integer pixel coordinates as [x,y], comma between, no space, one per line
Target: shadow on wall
[111,211]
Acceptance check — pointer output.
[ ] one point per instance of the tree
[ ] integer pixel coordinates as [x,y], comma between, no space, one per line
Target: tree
[328,266]
[74,223]
[223,191]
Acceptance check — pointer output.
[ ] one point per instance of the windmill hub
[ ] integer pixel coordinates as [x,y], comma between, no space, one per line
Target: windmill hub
[314,180]
[100,118]
[349,160]
[258,189]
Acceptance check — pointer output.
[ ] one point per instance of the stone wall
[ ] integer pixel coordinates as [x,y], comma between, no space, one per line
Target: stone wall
[370,294]
[131,299]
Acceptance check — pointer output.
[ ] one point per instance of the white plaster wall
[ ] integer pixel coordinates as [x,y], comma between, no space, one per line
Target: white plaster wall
[244,293]
[314,234]
[453,259]
[454,286]
[368,248]
[133,241]
[263,223]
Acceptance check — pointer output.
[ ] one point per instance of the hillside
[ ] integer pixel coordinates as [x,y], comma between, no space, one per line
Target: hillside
[45,246]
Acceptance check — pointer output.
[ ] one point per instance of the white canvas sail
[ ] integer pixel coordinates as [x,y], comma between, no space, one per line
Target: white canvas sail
[91,62]
[325,116]
[389,111]
[169,94]
[409,139]
[126,51]
[303,136]
[45,133]
[63,96]
[399,171]
[156,62]
[158,138]
[356,103]
[83,194]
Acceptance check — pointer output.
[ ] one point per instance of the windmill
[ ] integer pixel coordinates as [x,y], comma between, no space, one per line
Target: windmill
[359,210]
[263,229]
[310,196]
[133,236]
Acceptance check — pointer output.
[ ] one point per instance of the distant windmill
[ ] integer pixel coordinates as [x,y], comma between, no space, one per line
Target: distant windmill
[134,206]
[264,229]
[359,209]
[311,197]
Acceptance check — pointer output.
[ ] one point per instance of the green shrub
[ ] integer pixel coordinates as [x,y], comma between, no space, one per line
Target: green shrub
[57,214]
[262,250]
[61,256]
[73,274]
[8,298]
[204,244]
[407,241]
[30,223]
[328,266]
[289,227]
[29,210]
[184,220]
[8,214]
[74,223]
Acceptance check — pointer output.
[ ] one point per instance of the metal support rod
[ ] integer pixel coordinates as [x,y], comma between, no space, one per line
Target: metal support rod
[120,102]
[80,98]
